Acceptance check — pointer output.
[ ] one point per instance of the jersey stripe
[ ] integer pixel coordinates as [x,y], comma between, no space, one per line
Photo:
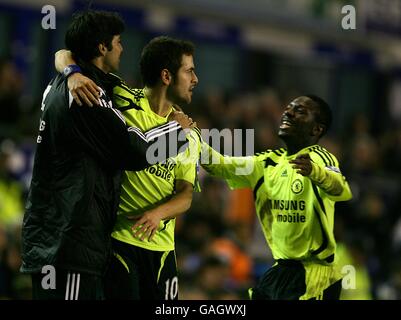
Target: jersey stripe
[324,153]
[70,98]
[269,162]
[77,288]
[257,186]
[198,132]
[325,242]
[126,88]
[321,156]
[329,155]
[167,127]
[138,132]
[164,127]
[277,152]
[159,132]
[67,287]
[257,154]
[319,198]
[131,104]
[118,113]
[155,133]
[72,287]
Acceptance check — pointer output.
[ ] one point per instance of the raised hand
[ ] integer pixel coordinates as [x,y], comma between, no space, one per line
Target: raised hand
[302,164]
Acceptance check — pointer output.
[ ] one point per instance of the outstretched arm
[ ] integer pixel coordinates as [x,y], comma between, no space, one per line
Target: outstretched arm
[83,89]
[104,134]
[148,223]
[239,172]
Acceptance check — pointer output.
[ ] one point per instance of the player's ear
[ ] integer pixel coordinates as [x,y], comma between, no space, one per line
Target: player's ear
[318,129]
[166,77]
[102,49]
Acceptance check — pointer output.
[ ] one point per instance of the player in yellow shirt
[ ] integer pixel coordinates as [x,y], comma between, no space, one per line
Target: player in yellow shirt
[144,262]
[295,190]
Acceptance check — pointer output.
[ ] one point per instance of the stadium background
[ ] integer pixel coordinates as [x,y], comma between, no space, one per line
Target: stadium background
[252,58]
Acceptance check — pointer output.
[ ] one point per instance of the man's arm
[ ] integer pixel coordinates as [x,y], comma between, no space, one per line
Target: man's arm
[239,172]
[103,133]
[148,223]
[63,58]
[82,89]
[330,180]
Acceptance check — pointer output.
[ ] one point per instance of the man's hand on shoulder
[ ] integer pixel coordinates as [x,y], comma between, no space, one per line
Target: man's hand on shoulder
[184,121]
[83,90]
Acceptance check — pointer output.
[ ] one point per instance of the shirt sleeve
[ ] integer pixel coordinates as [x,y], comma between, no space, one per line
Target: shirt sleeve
[239,172]
[188,162]
[328,177]
[102,132]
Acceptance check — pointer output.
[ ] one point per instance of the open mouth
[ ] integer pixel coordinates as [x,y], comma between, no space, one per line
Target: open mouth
[285,124]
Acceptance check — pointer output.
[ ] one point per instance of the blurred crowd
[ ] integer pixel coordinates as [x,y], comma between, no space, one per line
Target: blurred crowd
[221,250]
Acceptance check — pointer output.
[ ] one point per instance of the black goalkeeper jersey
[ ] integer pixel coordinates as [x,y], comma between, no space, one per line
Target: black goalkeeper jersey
[74,193]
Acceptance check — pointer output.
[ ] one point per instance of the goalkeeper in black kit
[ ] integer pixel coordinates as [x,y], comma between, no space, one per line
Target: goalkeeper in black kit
[74,193]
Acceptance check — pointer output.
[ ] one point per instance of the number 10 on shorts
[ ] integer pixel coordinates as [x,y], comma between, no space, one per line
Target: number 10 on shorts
[171,289]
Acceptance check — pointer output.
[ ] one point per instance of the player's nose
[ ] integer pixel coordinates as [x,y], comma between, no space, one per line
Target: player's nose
[195,79]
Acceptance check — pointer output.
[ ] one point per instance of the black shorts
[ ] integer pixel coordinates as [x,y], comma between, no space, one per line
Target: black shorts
[67,285]
[139,274]
[286,281]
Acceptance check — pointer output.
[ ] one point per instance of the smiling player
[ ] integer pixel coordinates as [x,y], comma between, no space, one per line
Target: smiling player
[295,190]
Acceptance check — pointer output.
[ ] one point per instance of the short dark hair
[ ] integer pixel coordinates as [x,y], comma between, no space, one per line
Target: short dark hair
[324,115]
[163,53]
[90,28]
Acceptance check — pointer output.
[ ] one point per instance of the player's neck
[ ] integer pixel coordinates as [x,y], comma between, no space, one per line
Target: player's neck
[158,101]
[99,62]
[293,148]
